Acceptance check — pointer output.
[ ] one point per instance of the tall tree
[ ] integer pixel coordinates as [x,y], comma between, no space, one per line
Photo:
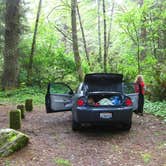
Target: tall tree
[75,40]
[105,37]
[2,9]
[30,67]
[99,32]
[83,37]
[110,27]
[12,31]
[143,33]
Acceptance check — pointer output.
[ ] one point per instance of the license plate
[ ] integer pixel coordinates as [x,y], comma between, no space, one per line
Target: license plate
[105,115]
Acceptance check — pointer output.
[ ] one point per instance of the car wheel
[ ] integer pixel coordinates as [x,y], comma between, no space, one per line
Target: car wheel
[127,126]
[75,126]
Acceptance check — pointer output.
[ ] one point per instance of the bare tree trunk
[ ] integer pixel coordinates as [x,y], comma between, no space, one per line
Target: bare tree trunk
[153,38]
[83,36]
[105,38]
[30,67]
[12,30]
[75,40]
[110,28]
[143,33]
[138,48]
[99,33]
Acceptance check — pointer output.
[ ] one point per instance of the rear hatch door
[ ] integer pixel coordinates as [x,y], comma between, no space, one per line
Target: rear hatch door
[103,82]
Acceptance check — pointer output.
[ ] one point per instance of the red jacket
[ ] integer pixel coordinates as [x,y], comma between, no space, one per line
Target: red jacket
[139,88]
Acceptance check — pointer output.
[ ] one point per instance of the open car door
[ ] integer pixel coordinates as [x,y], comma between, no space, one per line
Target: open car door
[58,98]
[129,90]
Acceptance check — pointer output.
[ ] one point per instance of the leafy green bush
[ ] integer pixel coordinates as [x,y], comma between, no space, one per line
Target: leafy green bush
[18,96]
[157,87]
[156,108]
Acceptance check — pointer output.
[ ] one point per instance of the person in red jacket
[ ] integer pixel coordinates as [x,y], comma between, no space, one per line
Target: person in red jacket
[140,89]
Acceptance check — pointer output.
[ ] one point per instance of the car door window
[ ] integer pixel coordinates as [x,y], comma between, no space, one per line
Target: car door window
[58,97]
[129,90]
[59,88]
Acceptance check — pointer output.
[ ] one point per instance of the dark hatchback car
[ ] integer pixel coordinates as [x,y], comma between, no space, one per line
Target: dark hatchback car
[100,99]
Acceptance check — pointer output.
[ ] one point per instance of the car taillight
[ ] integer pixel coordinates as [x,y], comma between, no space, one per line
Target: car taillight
[128,102]
[80,102]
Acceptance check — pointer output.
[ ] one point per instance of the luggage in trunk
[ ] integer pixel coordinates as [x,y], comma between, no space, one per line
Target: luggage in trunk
[105,99]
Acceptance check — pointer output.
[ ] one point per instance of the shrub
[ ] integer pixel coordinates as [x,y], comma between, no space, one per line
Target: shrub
[156,108]
[157,87]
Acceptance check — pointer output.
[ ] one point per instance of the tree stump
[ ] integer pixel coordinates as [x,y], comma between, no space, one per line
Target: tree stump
[15,119]
[29,105]
[22,109]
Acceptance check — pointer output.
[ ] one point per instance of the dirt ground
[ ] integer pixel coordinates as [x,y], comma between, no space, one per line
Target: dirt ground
[52,142]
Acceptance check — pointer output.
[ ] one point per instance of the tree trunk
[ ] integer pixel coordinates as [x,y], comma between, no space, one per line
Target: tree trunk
[153,42]
[12,29]
[30,67]
[75,40]
[105,38]
[83,37]
[138,48]
[110,28]
[2,11]
[143,33]
[99,33]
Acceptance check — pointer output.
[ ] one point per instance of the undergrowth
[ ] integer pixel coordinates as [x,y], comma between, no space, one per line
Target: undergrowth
[18,96]
[156,108]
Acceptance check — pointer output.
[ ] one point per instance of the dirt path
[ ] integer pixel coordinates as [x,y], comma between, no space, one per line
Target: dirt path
[52,141]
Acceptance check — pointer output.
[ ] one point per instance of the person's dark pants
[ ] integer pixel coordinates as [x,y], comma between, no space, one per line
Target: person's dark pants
[140,103]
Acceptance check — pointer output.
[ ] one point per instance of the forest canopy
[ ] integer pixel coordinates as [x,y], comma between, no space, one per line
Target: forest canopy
[63,40]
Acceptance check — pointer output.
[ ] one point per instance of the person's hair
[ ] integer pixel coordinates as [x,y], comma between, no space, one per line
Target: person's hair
[139,78]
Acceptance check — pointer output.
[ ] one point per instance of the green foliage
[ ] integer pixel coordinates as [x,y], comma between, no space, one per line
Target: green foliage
[19,95]
[53,59]
[7,163]
[29,105]
[51,63]
[156,108]
[62,162]
[157,86]
[146,157]
[142,33]
[15,119]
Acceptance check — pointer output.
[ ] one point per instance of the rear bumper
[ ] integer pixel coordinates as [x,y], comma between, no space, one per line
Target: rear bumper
[92,115]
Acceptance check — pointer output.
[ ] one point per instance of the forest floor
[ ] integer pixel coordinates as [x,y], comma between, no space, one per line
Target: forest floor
[52,142]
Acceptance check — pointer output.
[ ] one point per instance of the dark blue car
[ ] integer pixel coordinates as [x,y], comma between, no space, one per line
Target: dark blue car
[100,99]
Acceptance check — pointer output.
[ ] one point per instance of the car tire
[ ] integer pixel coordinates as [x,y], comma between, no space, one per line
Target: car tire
[75,126]
[127,126]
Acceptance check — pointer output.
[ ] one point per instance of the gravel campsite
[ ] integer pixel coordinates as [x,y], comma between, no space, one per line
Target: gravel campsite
[52,142]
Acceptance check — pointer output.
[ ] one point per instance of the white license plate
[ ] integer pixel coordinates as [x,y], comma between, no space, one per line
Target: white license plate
[105,115]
